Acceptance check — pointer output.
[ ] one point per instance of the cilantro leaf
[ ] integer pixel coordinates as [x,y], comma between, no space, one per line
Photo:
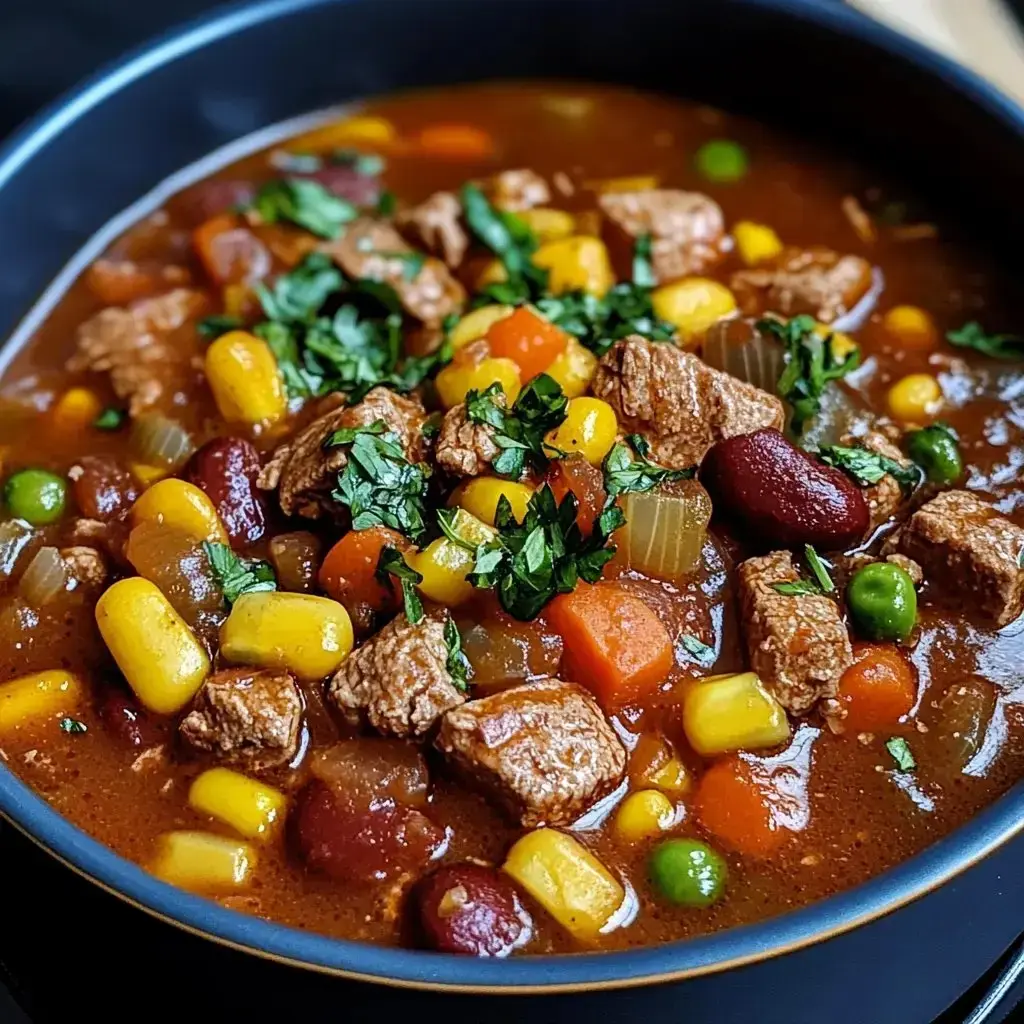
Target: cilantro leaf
[818,585]
[391,562]
[306,203]
[643,269]
[73,726]
[866,467]
[457,663]
[236,575]
[110,419]
[367,165]
[298,295]
[901,753]
[387,204]
[378,485]
[698,650]
[820,569]
[624,474]
[212,327]
[996,346]
[811,364]
[797,588]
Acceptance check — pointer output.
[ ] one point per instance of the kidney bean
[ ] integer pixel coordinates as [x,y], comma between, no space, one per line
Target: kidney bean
[226,469]
[782,496]
[468,908]
[209,198]
[124,719]
[104,490]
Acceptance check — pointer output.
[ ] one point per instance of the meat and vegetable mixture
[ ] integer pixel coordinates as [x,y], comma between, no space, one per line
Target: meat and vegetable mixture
[519,519]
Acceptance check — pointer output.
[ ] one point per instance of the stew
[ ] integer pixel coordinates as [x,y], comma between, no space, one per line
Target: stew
[520,518]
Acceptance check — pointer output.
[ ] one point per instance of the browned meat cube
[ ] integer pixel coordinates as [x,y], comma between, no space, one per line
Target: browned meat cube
[687,229]
[436,225]
[517,190]
[374,250]
[817,281]
[85,566]
[886,496]
[147,347]
[679,403]
[966,546]
[798,645]
[398,681]
[246,717]
[544,751]
[464,448]
[304,472]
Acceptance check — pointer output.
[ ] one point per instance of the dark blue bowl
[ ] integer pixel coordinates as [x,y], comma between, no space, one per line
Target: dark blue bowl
[813,66]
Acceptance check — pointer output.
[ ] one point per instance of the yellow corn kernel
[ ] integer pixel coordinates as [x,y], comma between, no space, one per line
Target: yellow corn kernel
[756,243]
[842,344]
[253,809]
[644,814]
[574,369]
[479,497]
[368,130]
[76,409]
[203,862]
[456,380]
[636,183]
[156,652]
[915,398]
[590,428]
[476,324]
[912,327]
[444,564]
[147,474]
[305,634]
[693,305]
[732,712]
[243,376]
[567,880]
[180,506]
[52,694]
[671,777]
[579,262]
[548,225]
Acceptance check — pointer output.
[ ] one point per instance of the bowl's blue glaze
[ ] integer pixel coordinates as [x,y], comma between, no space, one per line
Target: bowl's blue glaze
[814,65]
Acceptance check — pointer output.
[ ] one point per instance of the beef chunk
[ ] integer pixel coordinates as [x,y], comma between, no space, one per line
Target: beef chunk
[145,347]
[798,645]
[85,566]
[373,249]
[304,472]
[246,717]
[886,496]
[687,229]
[679,403]
[436,225]
[964,544]
[817,281]
[517,190]
[465,448]
[544,751]
[398,680]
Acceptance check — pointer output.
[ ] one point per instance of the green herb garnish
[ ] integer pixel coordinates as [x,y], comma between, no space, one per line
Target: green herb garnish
[866,467]
[817,585]
[110,419]
[236,575]
[901,753]
[624,474]
[367,165]
[387,204]
[392,563]
[811,364]
[819,569]
[700,651]
[306,203]
[643,269]
[797,588]
[212,327]
[996,346]
[457,663]
[73,726]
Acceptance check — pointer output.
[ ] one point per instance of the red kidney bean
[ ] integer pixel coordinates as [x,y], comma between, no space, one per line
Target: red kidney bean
[782,496]
[209,198]
[124,719]
[226,469]
[468,908]
[103,488]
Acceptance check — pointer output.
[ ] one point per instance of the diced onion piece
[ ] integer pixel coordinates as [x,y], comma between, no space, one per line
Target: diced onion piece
[159,441]
[15,535]
[665,529]
[45,577]
[858,316]
[296,557]
[965,711]
[736,347]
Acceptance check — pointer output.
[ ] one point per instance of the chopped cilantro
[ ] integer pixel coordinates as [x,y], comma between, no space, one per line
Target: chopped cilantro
[212,327]
[392,563]
[298,295]
[811,364]
[797,588]
[378,485]
[368,165]
[643,269]
[820,569]
[387,204]
[110,419]
[866,467]
[901,753]
[306,203]
[624,474]
[820,583]
[697,649]
[997,346]
[236,575]
[457,663]
[73,726]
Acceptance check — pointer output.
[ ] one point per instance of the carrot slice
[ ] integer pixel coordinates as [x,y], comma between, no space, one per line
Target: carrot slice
[614,643]
[458,141]
[878,689]
[736,807]
[529,340]
[348,573]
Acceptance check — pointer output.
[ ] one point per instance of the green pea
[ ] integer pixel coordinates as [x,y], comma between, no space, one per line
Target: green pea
[722,160]
[882,601]
[687,872]
[36,495]
[936,451]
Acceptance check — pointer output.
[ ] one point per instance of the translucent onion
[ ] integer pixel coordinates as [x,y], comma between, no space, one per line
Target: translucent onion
[738,348]
[296,557]
[15,536]
[665,529]
[44,578]
[858,316]
[965,711]
[158,441]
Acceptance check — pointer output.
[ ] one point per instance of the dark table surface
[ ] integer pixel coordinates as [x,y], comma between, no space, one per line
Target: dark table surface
[68,951]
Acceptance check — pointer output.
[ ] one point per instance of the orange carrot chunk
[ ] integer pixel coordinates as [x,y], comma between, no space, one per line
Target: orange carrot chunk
[736,807]
[878,689]
[348,573]
[614,643]
[530,341]
[458,141]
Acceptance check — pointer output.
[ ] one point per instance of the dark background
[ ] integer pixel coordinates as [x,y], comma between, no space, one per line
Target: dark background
[69,951]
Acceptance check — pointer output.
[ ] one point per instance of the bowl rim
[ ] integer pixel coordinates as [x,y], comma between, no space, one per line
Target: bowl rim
[31,815]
